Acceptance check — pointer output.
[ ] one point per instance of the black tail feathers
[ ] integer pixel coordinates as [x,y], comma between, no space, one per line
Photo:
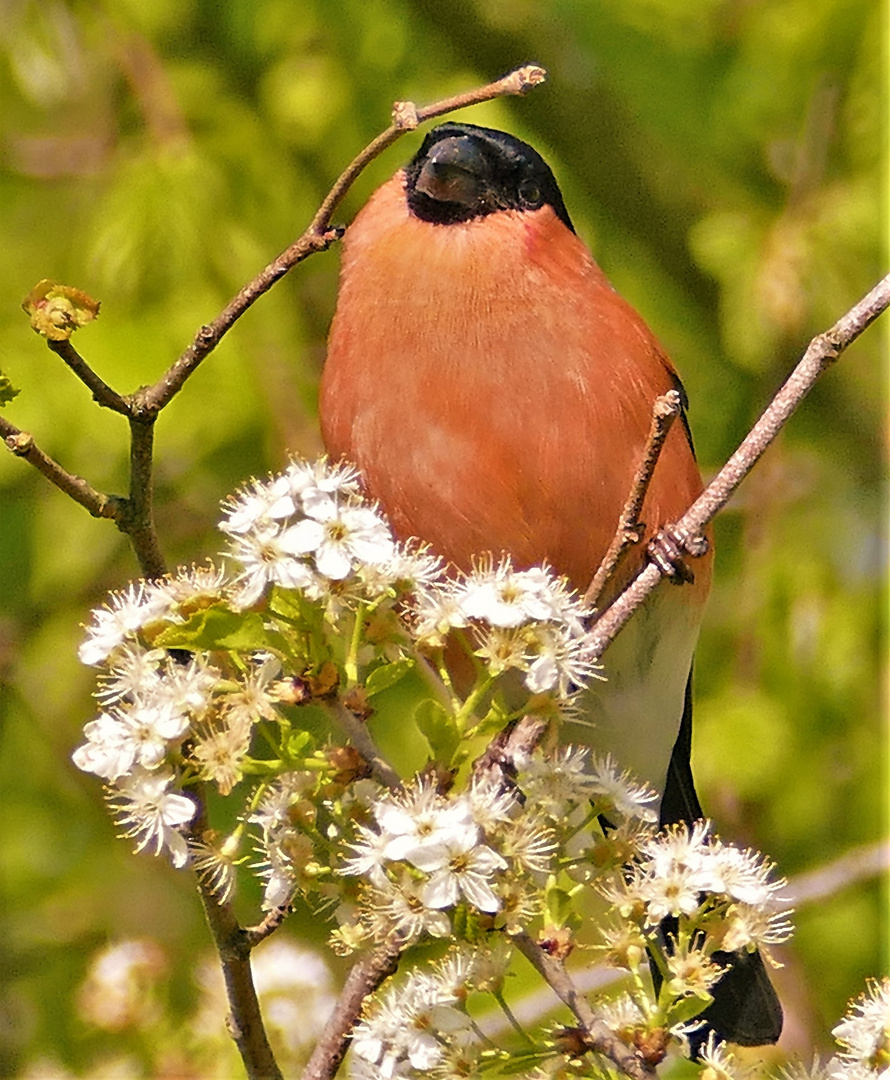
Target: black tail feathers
[745,1009]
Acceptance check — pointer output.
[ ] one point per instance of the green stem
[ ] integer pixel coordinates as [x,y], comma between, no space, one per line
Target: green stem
[514,1023]
[350,667]
[469,706]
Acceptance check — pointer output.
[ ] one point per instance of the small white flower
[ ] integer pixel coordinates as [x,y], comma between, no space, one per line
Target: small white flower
[339,537]
[370,857]
[864,1033]
[556,783]
[153,814]
[265,561]
[619,790]
[409,1028]
[504,597]
[281,884]
[720,1062]
[134,670]
[459,865]
[427,822]
[139,735]
[743,875]
[436,610]
[197,585]
[256,505]
[273,811]
[398,908]
[751,926]
[108,751]
[122,617]
[674,891]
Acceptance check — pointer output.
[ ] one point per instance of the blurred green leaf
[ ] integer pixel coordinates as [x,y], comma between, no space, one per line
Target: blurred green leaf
[218,628]
[438,728]
[382,678]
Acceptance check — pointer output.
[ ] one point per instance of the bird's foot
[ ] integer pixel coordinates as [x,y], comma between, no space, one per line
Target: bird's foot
[669,549]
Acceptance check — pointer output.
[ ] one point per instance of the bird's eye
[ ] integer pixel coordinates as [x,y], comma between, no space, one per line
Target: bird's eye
[530,195]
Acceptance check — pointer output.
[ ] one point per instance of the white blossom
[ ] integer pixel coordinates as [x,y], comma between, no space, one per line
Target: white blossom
[122,617]
[153,814]
[864,1034]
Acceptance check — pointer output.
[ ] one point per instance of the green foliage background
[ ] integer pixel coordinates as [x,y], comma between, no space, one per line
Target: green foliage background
[723,160]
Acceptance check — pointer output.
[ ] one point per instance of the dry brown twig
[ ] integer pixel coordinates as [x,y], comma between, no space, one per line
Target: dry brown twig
[665,411]
[598,1036]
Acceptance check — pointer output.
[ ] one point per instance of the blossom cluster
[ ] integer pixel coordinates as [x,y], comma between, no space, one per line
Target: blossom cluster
[421,1026]
[719,898]
[526,620]
[310,529]
[178,703]
[427,852]
[687,873]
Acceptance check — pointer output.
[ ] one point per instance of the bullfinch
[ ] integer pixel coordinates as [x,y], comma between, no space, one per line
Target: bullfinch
[496,394]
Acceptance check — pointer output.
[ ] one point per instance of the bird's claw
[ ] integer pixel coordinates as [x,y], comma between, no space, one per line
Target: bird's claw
[669,549]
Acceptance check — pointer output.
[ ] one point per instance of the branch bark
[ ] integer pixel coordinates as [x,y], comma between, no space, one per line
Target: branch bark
[233,946]
[598,1036]
[21,443]
[665,411]
[101,391]
[367,974]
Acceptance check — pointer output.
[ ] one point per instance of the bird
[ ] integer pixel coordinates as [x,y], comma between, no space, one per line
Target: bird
[496,394]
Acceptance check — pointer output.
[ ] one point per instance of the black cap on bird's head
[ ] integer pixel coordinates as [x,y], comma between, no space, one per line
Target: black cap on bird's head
[463,172]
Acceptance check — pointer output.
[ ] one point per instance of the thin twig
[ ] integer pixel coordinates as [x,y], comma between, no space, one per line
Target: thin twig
[366,976]
[101,391]
[357,732]
[407,117]
[851,868]
[822,352]
[598,1036]
[253,935]
[665,411]
[499,760]
[319,235]
[21,443]
[245,1021]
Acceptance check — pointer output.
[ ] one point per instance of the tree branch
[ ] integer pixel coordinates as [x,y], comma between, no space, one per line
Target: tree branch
[665,411]
[822,352]
[860,864]
[357,733]
[138,523]
[22,444]
[253,935]
[101,391]
[367,974]
[407,117]
[598,1036]
[245,1021]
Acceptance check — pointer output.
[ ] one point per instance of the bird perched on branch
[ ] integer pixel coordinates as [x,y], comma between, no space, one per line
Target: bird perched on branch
[497,394]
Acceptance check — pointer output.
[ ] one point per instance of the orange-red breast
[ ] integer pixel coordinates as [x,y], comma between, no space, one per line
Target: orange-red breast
[496,394]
